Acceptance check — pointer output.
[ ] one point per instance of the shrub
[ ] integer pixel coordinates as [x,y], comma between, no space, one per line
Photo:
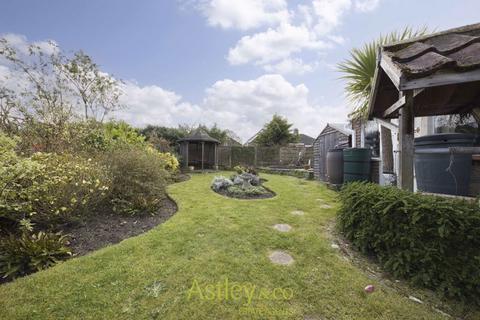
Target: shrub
[239,169]
[80,137]
[239,191]
[30,252]
[139,178]
[433,241]
[50,189]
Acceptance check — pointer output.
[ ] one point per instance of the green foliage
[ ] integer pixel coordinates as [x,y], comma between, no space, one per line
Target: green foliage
[120,132]
[239,169]
[139,179]
[432,241]
[50,188]
[172,135]
[30,252]
[239,191]
[359,69]
[276,132]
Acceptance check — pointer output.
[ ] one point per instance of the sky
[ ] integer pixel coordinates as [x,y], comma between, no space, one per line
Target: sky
[230,62]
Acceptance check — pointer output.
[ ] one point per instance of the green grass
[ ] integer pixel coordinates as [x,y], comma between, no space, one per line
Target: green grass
[210,239]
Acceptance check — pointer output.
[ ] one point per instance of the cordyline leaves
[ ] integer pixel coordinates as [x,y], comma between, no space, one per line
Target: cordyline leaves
[358,71]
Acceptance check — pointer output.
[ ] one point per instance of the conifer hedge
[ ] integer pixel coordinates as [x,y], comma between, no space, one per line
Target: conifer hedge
[432,241]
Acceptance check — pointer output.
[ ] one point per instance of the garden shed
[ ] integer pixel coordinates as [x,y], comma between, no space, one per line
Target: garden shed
[332,136]
[438,74]
[199,150]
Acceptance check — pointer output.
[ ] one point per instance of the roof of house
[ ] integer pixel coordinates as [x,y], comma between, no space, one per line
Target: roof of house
[306,139]
[199,135]
[442,68]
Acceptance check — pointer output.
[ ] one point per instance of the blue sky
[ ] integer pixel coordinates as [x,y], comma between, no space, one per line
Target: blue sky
[226,61]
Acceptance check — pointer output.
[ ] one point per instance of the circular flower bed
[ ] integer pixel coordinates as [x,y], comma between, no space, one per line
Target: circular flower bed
[245,185]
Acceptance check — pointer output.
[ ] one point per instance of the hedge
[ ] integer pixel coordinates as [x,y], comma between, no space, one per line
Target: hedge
[432,241]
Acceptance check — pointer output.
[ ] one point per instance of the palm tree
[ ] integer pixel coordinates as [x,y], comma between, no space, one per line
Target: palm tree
[358,72]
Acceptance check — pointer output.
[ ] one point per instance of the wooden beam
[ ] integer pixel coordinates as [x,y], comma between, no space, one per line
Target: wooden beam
[400,103]
[394,107]
[376,84]
[203,152]
[187,144]
[393,72]
[215,155]
[406,135]
[441,79]
[386,124]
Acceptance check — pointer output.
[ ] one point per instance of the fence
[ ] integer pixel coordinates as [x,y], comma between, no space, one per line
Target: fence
[291,155]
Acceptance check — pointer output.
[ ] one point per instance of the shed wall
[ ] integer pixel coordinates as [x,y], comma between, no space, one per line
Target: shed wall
[328,139]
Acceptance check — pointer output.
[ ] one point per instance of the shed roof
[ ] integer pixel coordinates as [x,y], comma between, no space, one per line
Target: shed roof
[443,69]
[340,127]
[199,135]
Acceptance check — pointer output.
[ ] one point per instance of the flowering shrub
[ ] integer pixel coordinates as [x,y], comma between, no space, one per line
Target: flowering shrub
[50,188]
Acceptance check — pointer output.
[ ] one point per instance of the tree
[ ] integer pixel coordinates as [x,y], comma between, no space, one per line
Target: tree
[358,72]
[9,118]
[54,88]
[98,92]
[172,135]
[276,132]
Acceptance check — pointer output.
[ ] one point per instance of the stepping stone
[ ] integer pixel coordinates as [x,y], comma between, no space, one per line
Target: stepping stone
[282,227]
[326,206]
[281,257]
[297,212]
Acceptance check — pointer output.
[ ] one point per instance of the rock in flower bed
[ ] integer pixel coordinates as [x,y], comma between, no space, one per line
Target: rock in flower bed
[243,186]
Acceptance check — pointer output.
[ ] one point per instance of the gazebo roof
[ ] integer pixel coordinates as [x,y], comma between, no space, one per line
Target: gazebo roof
[199,135]
[443,69]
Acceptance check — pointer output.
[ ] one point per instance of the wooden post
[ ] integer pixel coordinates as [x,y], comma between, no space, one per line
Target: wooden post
[187,144]
[203,152]
[215,160]
[406,135]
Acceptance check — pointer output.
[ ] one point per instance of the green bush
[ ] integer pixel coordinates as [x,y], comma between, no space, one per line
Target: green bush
[31,252]
[433,241]
[50,189]
[139,179]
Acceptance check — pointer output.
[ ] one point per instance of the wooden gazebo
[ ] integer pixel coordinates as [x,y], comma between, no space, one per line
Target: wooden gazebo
[199,150]
[438,74]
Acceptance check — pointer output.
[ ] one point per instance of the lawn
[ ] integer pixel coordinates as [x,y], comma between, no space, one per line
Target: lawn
[179,270]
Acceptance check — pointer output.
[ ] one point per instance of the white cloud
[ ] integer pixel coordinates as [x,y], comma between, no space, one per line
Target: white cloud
[155,105]
[21,44]
[242,106]
[308,26]
[329,13]
[366,5]
[244,14]
[291,66]
[273,45]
